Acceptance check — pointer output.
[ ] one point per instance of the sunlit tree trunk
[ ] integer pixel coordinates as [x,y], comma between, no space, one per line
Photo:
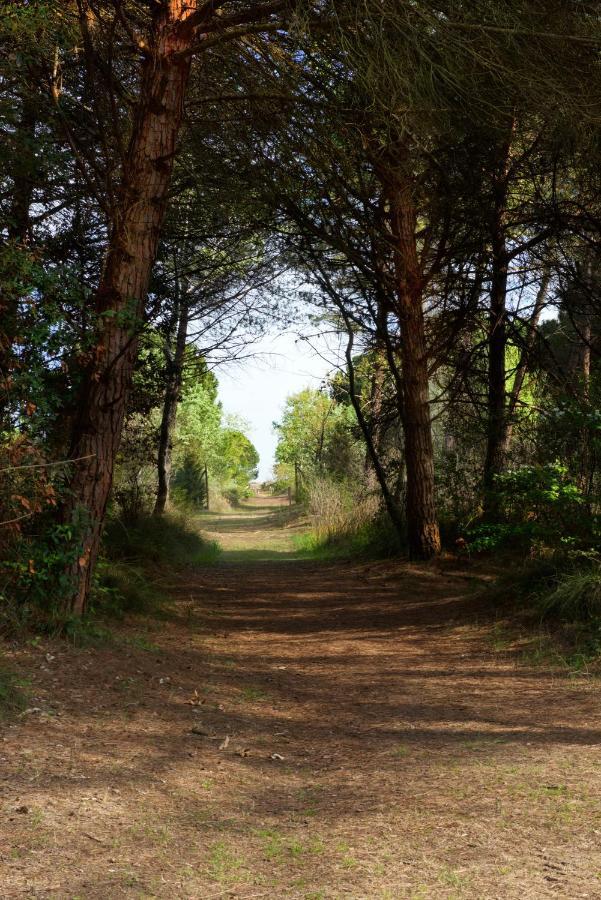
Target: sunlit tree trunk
[120,298]
[422,522]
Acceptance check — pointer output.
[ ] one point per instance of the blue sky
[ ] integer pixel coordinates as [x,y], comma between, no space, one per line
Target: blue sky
[256,389]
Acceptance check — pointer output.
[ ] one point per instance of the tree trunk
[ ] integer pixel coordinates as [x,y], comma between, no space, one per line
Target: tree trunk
[524,360]
[172,397]
[121,294]
[422,522]
[497,333]
[376,405]
[19,233]
[583,322]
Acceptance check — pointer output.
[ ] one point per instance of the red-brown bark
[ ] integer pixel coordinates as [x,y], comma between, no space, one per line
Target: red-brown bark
[123,287]
[422,522]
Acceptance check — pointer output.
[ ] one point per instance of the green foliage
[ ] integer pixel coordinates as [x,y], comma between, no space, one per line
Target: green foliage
[128,575]
[317,434]
[534,491]
[346,521]
[237,465]
[540,503]
[202,439]
[561,593]
[375,539]
[122,588]
[36,578]
[489,537]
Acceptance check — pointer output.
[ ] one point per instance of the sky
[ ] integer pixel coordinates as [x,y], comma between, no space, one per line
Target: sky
[256,389]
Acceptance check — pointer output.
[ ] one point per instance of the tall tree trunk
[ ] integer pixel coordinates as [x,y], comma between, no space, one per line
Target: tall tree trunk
[497,331]
[583,323]
[19,234]
[422,522]
[376,406]
[124,283]
[524,360]
[172,397]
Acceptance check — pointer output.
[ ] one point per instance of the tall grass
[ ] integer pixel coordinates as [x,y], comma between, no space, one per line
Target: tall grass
[172,539]
[13,698]
[135,556]
[559,596]
[574,596]
[346,521]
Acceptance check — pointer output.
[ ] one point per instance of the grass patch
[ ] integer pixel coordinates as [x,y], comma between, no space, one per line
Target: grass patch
[13,697]
[133,555]
[253,695]
[374,539]
[400,751]
[224,864]
[555,612]
[173,539]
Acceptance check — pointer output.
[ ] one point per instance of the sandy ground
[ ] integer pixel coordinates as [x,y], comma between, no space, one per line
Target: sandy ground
[301,730]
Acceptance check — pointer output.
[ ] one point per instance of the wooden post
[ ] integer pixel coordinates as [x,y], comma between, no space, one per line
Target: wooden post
[207,486]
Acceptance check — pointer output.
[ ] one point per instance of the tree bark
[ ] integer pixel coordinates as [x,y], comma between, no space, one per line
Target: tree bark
[494,462]
[168,420]
[19,234]
[121,294]
[422,523]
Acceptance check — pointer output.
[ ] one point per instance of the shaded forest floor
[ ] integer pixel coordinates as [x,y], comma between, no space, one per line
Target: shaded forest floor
[291,729]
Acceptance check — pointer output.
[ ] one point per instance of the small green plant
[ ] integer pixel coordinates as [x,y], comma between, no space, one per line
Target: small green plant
[13,698]
[253,694]
[401,751]
[141,642]
[224,864]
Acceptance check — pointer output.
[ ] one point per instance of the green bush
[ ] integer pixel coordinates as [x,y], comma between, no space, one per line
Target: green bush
[36,579]
[538,505]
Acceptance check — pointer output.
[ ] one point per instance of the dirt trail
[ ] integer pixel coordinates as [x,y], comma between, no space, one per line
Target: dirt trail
[302,731]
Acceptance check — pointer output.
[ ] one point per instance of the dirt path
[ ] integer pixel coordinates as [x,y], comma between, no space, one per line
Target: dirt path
[301,731]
